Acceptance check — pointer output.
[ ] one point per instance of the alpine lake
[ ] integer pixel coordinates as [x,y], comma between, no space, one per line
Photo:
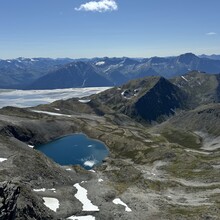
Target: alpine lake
[75,149]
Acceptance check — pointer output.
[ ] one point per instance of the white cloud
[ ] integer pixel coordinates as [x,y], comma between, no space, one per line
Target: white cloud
[211,33]
[99,6]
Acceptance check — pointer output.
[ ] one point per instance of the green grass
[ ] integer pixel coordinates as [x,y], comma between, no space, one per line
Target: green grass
[183,138]
[189,212]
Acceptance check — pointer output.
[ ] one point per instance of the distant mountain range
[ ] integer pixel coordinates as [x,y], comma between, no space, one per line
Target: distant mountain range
[213,56]
[46,73]
[19,73]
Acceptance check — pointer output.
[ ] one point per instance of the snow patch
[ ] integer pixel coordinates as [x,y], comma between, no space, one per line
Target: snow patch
[107,69]
[127,94]
[184,78]
[118,201]
[52,189]
[100,63]
[123,93]
[84,100]
[51,203]
[84,82]
[3,159]
[68,169]
[100,180]
[51,113]
[81,195]
[90,163]
[86,217]
[31,146]
[93,171]
[39,190]
[44,189]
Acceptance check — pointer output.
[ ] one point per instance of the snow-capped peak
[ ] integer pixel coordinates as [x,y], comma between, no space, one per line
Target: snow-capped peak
[100,63]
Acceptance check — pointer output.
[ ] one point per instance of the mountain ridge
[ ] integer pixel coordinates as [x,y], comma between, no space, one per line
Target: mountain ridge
[156,98]
[22,73]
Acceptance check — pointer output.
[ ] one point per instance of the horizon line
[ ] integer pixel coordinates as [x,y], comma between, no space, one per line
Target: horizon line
[90,58]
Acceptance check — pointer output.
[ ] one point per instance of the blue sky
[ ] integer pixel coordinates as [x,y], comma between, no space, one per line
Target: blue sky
[84,28]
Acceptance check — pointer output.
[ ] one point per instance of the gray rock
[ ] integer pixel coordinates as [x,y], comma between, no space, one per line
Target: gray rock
[9,193]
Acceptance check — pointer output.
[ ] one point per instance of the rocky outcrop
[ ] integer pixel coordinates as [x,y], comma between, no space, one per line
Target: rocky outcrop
[15,131]
[30,206]
[9,193]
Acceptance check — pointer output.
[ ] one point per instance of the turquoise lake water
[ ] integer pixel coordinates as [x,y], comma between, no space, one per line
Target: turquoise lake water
[75,149]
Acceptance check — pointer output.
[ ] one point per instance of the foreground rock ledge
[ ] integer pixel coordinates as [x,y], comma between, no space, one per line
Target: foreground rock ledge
[9,193]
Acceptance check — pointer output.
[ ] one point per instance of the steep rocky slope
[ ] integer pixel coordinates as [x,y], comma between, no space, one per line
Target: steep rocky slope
[204,118]
[201,88]
[163,171]
[8,193]
[148,99]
